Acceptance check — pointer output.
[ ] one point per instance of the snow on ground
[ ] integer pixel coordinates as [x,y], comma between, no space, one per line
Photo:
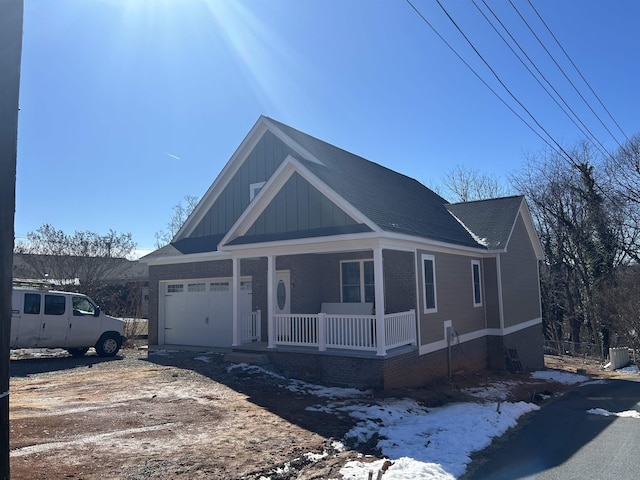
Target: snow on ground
[565,378]
[606,413]
[420,442]
[631,369]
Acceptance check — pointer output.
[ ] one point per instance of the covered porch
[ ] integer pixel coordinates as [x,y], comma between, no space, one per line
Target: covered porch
[326,331]
[307,325]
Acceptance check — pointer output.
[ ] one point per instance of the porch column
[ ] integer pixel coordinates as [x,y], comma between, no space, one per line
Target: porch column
[271,282]
[235,292]
[378,274]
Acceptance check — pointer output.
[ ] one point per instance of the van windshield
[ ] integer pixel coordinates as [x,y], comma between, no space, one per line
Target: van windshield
[83,306]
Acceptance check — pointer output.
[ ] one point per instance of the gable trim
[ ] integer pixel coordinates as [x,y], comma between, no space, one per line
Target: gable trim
[226,174]
[523,212]
[276,182]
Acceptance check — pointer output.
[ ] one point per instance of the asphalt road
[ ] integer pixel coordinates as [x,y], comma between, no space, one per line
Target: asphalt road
[563,441]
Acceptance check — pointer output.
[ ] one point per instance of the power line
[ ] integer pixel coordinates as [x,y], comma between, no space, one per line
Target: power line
[578,70]
[499,79]
[564,73]
[484,82]
[583,129]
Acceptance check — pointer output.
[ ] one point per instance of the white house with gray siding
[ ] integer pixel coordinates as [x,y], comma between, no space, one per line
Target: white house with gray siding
[345,272]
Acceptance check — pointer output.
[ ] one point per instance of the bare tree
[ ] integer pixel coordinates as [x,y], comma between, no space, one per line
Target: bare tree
[181,212]
[82,261]
[578,227]
[463,185]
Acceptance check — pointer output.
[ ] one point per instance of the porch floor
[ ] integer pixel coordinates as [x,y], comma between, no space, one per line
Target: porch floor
[262,347]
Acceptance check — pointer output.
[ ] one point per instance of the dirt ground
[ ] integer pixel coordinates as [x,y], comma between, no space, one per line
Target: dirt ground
[141,416]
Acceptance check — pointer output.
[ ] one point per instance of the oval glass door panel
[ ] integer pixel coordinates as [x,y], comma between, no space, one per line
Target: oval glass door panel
[281,295]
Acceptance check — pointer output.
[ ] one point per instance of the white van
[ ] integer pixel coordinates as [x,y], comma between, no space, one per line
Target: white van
[51,319]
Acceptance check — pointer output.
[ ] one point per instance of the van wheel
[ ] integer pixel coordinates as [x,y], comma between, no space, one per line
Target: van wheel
[108,345]
[77,352]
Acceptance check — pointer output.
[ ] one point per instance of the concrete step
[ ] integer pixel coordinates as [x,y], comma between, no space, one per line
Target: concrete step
[246,357]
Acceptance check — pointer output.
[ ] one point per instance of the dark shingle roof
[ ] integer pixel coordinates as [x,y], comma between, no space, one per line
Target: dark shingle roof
[395,202]
[490,220]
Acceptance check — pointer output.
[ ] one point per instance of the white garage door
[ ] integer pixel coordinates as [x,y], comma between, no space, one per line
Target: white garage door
[199,312]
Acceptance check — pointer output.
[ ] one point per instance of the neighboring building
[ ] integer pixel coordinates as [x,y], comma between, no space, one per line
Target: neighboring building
[64,271]
[345,272]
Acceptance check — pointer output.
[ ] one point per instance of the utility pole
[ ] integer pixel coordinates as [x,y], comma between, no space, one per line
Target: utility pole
[11,16]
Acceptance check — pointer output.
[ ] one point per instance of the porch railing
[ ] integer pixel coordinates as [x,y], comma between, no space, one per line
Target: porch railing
[351,332]
[250,327]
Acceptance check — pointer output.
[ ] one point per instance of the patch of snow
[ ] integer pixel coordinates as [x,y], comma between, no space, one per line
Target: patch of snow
[606,413]
[631,369]
[595,382]
[314,457]
[561,377]
[203,358]
[338,446]
[438,441]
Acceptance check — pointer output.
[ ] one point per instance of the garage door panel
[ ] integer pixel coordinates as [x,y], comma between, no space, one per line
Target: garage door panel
[200,313]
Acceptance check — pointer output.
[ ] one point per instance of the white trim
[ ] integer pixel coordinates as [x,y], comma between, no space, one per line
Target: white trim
[432,258]
[468,337]
[473,283]
[189,258]
[254,188]
[500,297]
[226,174]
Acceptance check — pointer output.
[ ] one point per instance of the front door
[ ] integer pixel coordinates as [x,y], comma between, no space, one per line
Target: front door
[283,292]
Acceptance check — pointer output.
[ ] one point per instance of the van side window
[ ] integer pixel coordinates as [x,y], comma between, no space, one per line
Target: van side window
[82,306]
[54,304]
[32,303]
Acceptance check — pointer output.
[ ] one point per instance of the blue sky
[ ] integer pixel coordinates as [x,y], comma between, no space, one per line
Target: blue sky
[129,105]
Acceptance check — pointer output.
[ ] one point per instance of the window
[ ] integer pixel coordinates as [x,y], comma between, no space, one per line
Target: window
[54,304]
[254,188]
[82,306]
[175,288]
[429,290]
[32,303]
[477,283]
[219,286]
[357,281]
[196,287]
[246,286]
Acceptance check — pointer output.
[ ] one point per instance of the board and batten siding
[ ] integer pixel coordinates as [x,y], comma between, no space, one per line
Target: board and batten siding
[454,297]
[519,272]
[259,165]
[299,206]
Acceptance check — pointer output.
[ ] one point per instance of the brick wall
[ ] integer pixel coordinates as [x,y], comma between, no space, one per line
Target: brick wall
[404,370]
[399,281]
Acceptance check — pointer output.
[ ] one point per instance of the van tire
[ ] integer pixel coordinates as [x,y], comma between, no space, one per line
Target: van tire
[108,345]
[77,352]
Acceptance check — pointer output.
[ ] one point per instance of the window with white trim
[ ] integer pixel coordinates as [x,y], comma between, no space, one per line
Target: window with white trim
[357,283]
[254,188]
[429,283]
[477,283]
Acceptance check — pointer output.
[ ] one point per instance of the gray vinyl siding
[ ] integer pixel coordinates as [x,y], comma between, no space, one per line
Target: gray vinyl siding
[520,288]
[454,297]
[492,305]
[299,206]
[259,165]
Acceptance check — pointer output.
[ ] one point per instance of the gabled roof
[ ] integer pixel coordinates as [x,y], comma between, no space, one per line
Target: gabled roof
[492,221]
[395,202]
[378,197]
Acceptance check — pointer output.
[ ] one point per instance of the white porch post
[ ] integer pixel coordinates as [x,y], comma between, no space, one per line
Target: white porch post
[271,282]
[235,291]
[378,273]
